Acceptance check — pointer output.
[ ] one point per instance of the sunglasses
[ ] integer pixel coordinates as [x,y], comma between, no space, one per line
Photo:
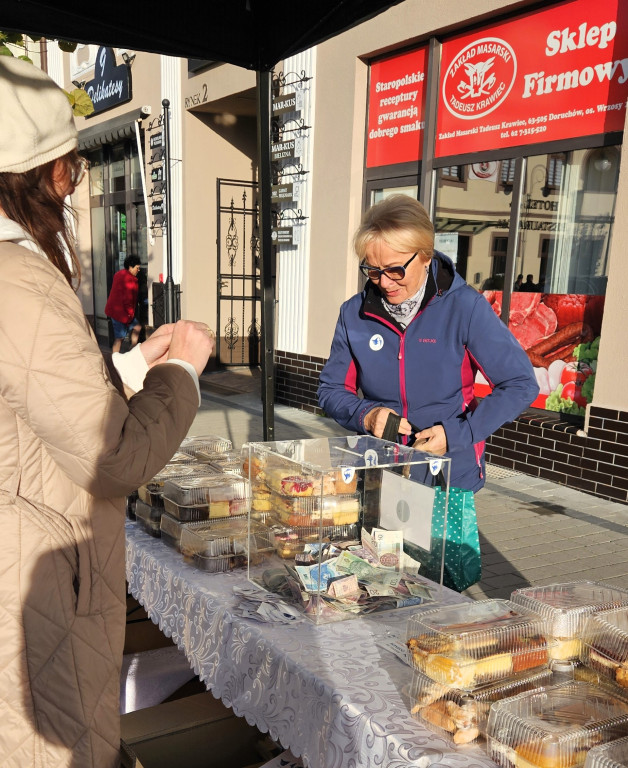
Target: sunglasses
[394,273]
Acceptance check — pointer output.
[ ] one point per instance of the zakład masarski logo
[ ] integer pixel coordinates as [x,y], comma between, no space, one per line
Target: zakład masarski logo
[479,78]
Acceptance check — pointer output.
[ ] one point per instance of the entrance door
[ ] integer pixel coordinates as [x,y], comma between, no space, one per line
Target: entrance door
[239,308]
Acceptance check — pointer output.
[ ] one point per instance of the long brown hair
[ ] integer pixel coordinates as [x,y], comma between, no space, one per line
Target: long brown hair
[31,200]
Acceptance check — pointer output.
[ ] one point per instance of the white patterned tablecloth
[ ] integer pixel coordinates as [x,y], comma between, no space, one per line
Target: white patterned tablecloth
[329,693]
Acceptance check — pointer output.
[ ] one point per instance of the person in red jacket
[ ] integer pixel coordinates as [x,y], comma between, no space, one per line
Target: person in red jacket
[120,306]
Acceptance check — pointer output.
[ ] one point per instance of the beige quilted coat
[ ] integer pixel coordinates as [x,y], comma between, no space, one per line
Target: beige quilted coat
[71,447]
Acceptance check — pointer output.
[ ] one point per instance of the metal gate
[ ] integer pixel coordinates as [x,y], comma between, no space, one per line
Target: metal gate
[239,309]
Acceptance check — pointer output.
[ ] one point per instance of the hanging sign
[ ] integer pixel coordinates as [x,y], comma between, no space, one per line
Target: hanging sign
[281,235]
[157,208]
[554,74]
[157,140]
[111,85]
[282,149]
[281,192]
[285,103]
[396,105]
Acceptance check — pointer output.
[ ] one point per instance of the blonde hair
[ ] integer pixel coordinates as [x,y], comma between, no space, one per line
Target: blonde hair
[400,221]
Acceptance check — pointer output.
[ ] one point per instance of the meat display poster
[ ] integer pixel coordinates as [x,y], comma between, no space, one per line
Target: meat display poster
[561,334]
[396,106]
[555,74]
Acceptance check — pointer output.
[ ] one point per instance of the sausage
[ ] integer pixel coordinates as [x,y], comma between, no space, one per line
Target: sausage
[560,345]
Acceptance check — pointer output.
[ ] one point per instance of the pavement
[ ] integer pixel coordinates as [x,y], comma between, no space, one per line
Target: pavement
[532,531]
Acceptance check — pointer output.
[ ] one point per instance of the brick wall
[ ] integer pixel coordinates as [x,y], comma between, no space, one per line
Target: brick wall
[538,443]
[544,445]
[296,380]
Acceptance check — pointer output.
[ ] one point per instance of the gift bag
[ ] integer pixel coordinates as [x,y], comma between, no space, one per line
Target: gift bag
[463,566]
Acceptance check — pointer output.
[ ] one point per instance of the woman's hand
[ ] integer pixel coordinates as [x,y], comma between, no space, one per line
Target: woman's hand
[375,422]
[155,349]
[432,440]
[192,342]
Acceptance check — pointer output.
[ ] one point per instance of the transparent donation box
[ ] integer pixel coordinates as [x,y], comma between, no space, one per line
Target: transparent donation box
[350,521]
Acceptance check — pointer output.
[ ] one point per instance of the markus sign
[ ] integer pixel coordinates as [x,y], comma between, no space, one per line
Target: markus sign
[555,74]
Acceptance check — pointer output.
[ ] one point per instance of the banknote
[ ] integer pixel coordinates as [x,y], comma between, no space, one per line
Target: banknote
[343,586]
[347,562]
[388,547]
[316,577]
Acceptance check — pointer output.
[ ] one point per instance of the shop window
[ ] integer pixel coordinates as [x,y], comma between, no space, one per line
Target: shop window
[499,247]
[452,174]
[507,175]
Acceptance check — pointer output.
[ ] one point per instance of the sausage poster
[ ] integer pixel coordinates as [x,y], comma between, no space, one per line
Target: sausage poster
[555,74]
[561,334]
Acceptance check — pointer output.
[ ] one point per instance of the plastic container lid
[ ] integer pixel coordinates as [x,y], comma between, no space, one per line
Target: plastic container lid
[227,462]
[147,512]
[208,444]
[613,755]
[567,606]
[554,727]
[605,644]
[477,643]
[206,489]
[461,715]
[234,537]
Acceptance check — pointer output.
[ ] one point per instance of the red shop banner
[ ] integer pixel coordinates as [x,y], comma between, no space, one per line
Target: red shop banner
[555,74]
[396,104]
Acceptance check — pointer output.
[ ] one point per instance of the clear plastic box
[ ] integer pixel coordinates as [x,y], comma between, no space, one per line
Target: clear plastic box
[148,517]
[462,716]
[318,488]
[227,462]
[152,491]
[217,547]
[554,727]
[566,606]
[206,497]
[477,643]
[605,645]
[171,531]
[312,510]
[613,755]
[290,541]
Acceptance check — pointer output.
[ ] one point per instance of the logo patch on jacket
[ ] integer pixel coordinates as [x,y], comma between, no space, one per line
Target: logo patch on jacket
[376,342]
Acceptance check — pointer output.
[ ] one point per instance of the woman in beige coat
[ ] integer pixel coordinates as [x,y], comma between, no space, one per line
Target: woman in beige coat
[71,447]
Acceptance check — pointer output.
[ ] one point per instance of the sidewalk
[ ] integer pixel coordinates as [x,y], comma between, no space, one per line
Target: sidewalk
[531,531]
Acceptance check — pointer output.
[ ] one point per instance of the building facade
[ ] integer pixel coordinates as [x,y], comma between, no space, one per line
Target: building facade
[505,118]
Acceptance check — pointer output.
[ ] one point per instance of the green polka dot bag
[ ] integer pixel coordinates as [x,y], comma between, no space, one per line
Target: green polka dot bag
[459,528]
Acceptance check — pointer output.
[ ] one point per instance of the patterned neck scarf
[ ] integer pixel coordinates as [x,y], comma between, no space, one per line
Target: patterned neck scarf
[405,312]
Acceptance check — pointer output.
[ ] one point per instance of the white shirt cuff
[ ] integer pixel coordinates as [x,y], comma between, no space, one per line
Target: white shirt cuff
[132,367]
[191,370]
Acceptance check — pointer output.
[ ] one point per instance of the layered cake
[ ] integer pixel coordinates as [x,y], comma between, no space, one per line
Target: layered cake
[605,645]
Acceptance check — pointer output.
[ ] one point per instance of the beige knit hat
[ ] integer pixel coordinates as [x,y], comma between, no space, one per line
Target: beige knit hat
[36,120]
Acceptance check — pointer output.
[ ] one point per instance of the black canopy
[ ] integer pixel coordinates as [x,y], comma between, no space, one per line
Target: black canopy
[255,34]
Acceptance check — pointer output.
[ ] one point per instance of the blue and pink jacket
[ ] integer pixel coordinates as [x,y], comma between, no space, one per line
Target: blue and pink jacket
[426,372]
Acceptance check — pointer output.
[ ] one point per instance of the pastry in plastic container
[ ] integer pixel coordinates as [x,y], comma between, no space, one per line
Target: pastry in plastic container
[477,643]
[286,541]
[316,510]
[171,531]
[220,547]
[148,517]
[461,715]
[605,645]
[566,606]
[611,755]
[206,497]
[554,727]
[205,445]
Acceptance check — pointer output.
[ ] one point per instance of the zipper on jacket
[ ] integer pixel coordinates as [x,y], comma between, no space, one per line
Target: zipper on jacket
[402,379]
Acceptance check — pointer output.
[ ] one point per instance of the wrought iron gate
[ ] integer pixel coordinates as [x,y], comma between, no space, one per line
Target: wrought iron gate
[239,309]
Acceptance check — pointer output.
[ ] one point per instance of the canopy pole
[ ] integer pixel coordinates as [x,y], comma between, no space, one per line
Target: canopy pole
[169,308]
[263,90]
